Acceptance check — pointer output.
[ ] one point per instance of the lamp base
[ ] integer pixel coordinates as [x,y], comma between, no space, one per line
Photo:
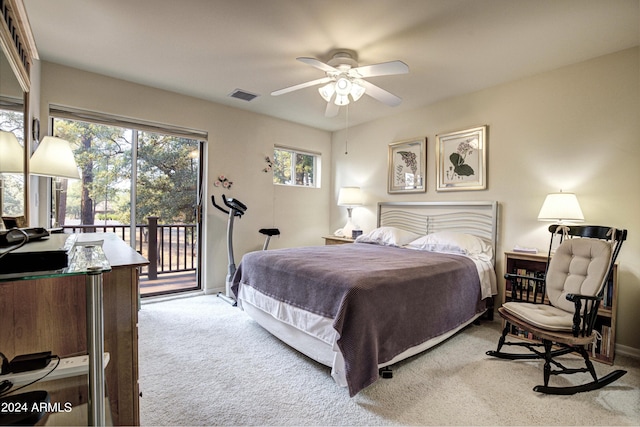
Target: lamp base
[347,230]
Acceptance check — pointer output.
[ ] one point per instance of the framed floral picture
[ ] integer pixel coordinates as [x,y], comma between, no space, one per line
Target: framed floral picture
[461,160]
[407,166]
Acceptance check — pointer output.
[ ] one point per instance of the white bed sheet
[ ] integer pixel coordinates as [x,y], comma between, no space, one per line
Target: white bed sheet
[314,336]
[487,274]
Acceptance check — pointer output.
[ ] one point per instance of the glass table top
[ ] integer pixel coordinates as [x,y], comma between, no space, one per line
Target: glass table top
[85,257]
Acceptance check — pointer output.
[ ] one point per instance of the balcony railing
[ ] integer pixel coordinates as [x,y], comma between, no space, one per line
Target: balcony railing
[170,248]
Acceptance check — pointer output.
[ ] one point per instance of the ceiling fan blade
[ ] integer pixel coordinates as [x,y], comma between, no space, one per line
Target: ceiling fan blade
[317,63]
[382,69]
[301,86]
[332,109]
[381,94]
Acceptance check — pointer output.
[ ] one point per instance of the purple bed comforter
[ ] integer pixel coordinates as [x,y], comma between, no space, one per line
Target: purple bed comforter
[384,300]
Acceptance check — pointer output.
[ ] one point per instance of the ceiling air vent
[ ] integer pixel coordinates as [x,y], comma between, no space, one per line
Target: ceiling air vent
[243,94]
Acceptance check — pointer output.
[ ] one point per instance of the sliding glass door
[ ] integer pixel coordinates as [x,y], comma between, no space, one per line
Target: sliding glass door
[145,187]
[167,199]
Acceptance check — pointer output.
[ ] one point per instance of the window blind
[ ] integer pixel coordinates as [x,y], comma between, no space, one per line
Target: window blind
[64,112]
[9,103]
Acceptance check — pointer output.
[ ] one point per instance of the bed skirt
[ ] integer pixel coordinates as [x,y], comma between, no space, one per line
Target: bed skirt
[313,335]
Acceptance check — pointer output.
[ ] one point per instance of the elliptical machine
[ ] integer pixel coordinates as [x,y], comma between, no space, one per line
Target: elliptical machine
[236,209]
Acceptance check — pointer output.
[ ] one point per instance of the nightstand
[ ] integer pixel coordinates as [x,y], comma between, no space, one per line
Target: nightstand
[335,240]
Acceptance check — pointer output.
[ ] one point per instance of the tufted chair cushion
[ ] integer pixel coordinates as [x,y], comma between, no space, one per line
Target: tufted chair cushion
[579,266]
[541,315]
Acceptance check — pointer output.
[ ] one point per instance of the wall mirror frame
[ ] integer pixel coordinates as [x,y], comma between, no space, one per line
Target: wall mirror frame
[18,52]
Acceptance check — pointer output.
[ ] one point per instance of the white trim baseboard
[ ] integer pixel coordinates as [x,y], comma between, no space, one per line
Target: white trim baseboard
[628,351]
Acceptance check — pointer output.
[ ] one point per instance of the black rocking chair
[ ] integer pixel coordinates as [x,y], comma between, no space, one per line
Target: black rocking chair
[561,308]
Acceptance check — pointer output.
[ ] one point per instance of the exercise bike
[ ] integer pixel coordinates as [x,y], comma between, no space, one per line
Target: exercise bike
[236,209]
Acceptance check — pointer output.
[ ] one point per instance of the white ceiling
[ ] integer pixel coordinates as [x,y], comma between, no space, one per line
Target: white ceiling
[209,48]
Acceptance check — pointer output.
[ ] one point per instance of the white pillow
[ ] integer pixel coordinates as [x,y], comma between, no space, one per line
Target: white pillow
[453,242]
[387,236]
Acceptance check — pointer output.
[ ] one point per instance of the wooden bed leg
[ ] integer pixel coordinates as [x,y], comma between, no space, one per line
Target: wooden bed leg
[489,314]
[490,306]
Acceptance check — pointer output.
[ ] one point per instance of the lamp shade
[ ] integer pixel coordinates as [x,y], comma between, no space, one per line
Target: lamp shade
[349,196]
[327,91]
[561,206]
[343,86]
[11,153]
[54,158]
[357,91]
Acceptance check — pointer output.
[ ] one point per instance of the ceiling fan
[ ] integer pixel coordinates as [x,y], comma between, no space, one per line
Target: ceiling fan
[345,79]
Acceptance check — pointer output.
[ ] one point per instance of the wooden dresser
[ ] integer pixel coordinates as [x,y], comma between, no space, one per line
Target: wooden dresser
[49,314]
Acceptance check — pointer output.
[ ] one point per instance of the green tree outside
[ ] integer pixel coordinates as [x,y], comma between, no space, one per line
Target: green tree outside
[167,175]
[12,197]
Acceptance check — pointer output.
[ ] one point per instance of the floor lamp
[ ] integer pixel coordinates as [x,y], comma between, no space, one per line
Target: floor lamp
[54,158]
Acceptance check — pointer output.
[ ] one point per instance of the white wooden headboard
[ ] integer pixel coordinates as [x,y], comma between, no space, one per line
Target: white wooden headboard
[477,218]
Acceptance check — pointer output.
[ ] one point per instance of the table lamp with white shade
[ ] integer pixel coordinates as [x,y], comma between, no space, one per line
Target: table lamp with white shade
[561,207]
[349,197]
[54,158]
[12,158]
[11,161]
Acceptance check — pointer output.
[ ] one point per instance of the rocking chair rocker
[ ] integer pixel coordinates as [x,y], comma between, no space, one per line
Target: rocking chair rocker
[561,309]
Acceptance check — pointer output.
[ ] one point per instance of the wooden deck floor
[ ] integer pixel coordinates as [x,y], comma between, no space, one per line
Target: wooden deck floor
[168,283]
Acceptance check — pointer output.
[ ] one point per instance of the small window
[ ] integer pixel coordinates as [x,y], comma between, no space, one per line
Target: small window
[293,167]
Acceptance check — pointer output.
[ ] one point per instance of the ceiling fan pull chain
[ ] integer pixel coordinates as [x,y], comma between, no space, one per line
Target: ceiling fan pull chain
[346,142]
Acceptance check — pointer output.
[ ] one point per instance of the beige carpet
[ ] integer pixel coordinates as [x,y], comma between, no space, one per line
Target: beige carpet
[203,362]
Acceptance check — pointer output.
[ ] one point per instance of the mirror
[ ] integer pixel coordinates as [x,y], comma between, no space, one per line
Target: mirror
[12,119]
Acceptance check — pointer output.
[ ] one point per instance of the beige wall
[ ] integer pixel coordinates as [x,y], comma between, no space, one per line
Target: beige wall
[238,143]
[576,129]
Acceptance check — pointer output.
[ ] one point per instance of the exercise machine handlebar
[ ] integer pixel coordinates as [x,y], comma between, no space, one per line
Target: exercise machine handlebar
[236,206]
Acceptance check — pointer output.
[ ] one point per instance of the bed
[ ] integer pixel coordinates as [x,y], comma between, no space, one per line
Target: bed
[426,272]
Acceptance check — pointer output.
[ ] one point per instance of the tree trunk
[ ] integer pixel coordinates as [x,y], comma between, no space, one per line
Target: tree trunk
[63,203]
[86,205]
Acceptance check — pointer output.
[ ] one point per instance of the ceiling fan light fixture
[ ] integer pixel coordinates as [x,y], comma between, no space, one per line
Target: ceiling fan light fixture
[343,86]
[327,91]
[345,81]
[356,91]
[341,99]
